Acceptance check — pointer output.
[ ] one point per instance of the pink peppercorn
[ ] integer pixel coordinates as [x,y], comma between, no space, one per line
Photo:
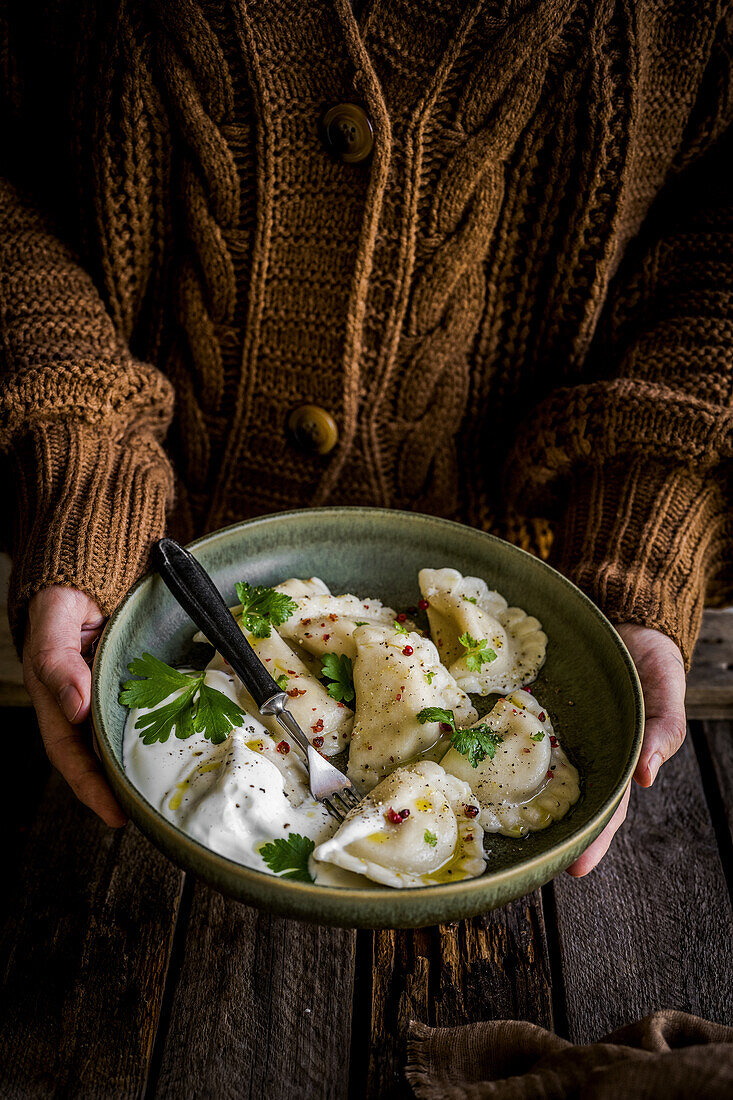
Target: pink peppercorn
[408,651]
[283,747]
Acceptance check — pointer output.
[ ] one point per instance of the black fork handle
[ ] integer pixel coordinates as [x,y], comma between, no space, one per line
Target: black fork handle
[200,599]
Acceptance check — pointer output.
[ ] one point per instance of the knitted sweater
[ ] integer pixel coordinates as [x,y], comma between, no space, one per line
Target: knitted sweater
[516,309]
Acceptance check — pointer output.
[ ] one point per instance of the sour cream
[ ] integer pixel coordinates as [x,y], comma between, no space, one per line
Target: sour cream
[233,797]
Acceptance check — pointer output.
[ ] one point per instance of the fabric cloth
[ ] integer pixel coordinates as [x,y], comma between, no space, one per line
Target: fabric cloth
[666,1056]
[516,310]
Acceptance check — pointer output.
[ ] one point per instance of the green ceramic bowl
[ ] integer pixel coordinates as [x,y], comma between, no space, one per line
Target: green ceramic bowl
[588,684]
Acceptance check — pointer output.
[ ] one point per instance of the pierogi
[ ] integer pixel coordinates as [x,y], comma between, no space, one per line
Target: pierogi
[320,717]
[396,675]
[418,827]
[511,644]
[325,623]
[435,776]
[530,782]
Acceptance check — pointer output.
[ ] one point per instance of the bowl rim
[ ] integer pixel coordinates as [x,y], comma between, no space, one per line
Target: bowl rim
[338,895]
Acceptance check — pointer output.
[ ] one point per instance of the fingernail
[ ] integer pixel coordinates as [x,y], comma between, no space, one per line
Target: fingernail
[654,765]
[70,701]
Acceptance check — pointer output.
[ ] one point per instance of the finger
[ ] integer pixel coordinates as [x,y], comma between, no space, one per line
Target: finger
[55,657]
[67,753]
[595,852]
[663,736]
[666,722]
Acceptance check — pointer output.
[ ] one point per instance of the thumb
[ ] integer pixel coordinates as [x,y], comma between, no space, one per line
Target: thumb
[58,619]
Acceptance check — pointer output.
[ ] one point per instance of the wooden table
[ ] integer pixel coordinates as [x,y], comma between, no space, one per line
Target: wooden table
[124,977]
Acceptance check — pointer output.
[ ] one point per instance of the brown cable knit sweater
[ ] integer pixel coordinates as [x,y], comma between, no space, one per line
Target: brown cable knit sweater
[517,309]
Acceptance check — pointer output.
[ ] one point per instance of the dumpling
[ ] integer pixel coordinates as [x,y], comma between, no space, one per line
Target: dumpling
[325,623]
[530,782]
[395,677]
[459,606]
[325,722]
[418,827]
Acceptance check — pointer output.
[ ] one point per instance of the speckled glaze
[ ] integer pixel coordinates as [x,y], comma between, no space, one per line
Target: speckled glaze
[588,684]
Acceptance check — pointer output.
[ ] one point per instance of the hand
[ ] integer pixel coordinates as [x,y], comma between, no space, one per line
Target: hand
[62,624]
[662,673]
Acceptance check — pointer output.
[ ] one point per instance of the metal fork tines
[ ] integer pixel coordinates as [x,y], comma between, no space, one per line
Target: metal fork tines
[326,782]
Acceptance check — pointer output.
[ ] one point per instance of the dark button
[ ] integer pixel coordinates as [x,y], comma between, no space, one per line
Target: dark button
[313,429]
[348,131]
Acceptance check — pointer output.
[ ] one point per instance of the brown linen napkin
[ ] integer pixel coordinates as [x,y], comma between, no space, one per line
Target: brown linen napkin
[667,1055]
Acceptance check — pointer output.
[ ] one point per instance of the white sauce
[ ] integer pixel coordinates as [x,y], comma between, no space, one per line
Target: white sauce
[233,797]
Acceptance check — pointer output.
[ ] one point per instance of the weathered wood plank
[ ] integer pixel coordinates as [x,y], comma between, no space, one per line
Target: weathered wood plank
[652,926]
[262,1007]
[710,681]
[719,738]
[83,956]
[491,967]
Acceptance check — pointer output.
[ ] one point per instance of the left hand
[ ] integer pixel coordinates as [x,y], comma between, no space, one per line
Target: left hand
[662,673]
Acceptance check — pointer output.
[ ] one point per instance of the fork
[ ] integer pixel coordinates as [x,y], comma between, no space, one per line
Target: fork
[201,600]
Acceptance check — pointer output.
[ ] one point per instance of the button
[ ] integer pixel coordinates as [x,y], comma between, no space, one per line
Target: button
[348,131]
[313,429]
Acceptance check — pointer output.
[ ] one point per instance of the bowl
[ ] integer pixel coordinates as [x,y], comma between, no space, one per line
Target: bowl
[588,684]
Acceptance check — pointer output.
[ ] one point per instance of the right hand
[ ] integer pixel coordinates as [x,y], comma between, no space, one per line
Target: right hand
[62,624]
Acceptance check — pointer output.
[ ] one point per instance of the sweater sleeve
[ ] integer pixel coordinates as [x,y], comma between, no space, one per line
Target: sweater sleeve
[81,424]
[635,463]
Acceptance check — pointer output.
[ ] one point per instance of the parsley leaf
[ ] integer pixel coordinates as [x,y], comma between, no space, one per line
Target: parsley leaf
[471,599]
[339,670]
[216,714]
[198,709]
[158,724]
[436,714]
[263,608]
[476,743]
[538,736]
[161,681]
[399,628]
[282,682]
[477,652]
[429,676]
[430,838]
[289,856]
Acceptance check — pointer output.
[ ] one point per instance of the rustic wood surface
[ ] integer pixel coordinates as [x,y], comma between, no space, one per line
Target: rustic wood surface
[658,905]
[258,1001]
[120,980]
[84,952]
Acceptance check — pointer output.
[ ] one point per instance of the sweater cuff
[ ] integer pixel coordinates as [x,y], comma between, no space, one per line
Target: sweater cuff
[89,508]
[642,540]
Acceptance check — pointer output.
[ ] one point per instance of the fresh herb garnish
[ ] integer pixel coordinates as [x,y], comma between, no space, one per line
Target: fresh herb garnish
[198,709]
[282,682]
[263,608]
[430,838]
[437,714]
[399,628]
[338,669]
[471,599]
[477,652]
[476,743]
[538,736]
[289,858]
[429,676]
[359,624]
